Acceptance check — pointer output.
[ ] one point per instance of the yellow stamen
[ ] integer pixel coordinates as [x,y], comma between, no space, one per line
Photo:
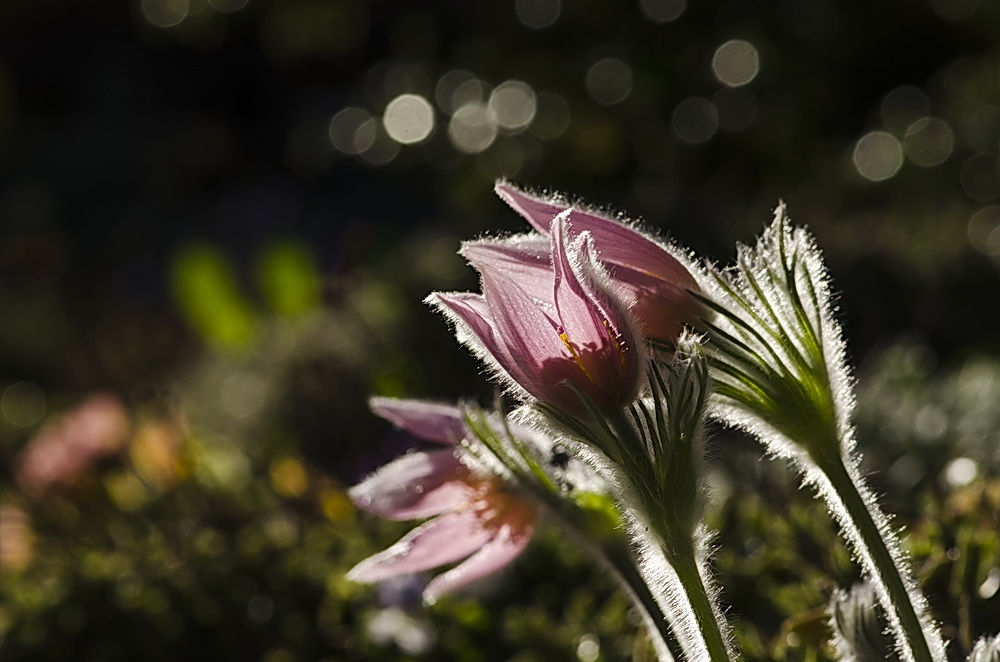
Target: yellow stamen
[576,356]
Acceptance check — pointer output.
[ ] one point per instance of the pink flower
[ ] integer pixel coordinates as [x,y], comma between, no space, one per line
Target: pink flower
[477,517]
[69,447]
[551,321]
[656,283]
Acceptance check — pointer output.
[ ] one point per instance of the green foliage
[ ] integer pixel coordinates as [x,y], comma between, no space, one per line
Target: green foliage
[205,567]
[206,290]
[289,278]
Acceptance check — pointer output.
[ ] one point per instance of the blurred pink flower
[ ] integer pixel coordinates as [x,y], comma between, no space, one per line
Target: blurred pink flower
[656,283]
[557,329]
[66,448]
[477,517]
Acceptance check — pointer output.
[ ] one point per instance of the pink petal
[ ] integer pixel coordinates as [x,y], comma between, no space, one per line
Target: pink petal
[442,540]
[476,327]
[529,336]
[415,486]
[628,252]
[630,255]
[656,281]
[526,259]
[579,316]
[535,210]
[606,297]
[471,312]
[497,553]
[426,420]
[594,322]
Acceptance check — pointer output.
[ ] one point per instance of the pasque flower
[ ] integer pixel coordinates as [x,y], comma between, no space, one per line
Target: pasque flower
[655,281]
[478,517]
[552,321]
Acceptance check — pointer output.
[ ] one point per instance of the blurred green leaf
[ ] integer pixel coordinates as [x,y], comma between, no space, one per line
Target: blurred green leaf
[289,278]
[205,289]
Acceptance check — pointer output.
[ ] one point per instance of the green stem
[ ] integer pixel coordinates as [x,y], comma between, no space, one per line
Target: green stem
[881,565]
[615,556]
[623,567]
[675,538]
[688,573]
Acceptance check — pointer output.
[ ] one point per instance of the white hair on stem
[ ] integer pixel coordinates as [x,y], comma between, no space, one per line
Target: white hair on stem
[780,371]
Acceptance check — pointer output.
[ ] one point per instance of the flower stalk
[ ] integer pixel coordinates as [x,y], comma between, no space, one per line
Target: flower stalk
[653,457]
[587,524]
[780,373]
[859,519]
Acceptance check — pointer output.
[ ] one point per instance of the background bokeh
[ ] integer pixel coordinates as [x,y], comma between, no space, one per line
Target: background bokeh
[218,219]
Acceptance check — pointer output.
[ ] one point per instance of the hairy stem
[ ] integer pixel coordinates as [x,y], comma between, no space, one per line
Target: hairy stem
[689,574]
[882,562]
[623,567]
[614,554]
[671,536]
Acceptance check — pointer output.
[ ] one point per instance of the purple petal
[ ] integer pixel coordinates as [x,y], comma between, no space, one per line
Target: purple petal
[530,337]
[624,248]
[426,420]
[525,259]
[630,255]
[595,322]
[534,209]
[497,553]
[415,486]
[475,323]
[471,312]
[654,280]
[578,314]
[442,540]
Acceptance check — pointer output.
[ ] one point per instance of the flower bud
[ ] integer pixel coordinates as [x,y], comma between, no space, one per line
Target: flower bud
[656,282]
[558,332]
